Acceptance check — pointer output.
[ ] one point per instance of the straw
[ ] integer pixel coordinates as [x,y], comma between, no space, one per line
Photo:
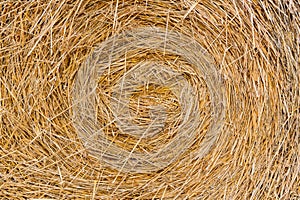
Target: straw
[149,99]
[116,111]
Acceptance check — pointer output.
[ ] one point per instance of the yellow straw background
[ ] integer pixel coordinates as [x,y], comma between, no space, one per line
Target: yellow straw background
[242,99]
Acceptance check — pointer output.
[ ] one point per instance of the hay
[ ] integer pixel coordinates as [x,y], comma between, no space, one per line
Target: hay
[154,99]
[188,123]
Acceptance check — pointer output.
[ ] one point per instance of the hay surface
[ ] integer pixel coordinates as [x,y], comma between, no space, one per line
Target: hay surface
[255,49]
[131,104]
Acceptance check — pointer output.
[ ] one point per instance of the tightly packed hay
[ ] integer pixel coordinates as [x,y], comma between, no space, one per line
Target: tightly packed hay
[149,99]
[137,96]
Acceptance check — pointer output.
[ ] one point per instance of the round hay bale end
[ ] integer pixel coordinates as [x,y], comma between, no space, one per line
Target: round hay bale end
[149,99]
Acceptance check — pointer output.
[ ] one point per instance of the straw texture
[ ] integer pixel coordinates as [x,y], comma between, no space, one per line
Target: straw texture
[149,99]
[146,80]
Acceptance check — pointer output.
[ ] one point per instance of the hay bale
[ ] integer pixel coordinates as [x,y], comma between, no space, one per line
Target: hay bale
[149,99]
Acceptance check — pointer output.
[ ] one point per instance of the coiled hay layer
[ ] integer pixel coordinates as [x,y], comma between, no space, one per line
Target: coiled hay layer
[146,80]
[149,99]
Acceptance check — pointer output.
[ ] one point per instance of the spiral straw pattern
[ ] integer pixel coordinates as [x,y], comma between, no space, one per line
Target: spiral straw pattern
[150,81]
[148,99]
